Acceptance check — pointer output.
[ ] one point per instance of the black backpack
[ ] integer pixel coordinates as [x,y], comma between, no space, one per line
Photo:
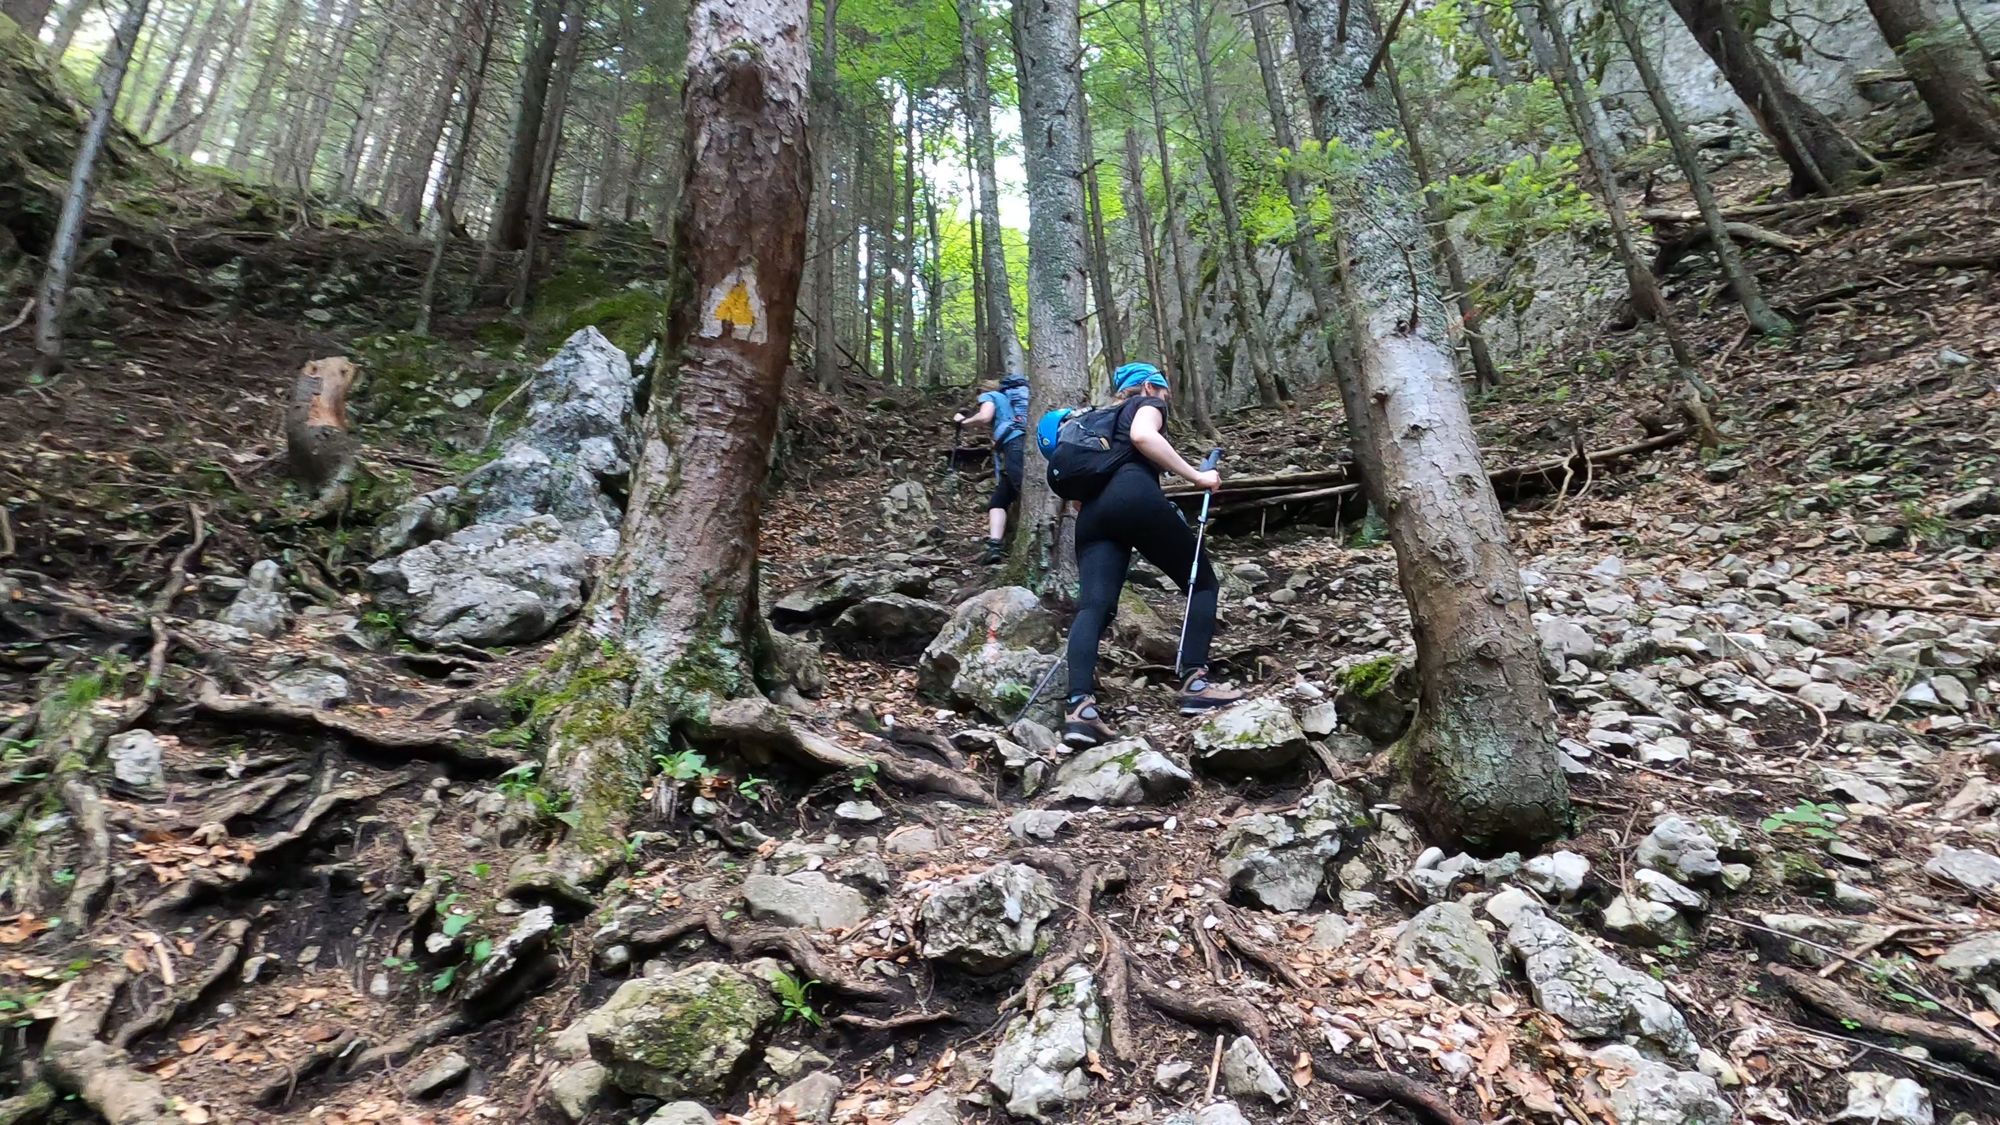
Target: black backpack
[1087,449]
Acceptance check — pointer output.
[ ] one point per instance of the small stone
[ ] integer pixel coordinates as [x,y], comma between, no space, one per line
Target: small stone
[915,839]
[1246,1073]
[1559,875]
[136,760]
[1039,824]
[1447,942]
[1330,931]
[1847,896]
[1735,876]
[986,922]
[1723,469]
[1882,535]
[939,1107]
[788,1063]
[1655,887]
[863,812]
[1637,921]
[1976,959]
[447,1071]
[1715,1066]
[1172,1075]
[1788,679]
[811,1099]
[1969,868]
[1221,1113]
[1320,720]
[805,899]
[1882,1099]
[681,1113]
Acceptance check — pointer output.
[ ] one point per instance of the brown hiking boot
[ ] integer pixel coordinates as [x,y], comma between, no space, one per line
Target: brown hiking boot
[1199,693]
[1084,727]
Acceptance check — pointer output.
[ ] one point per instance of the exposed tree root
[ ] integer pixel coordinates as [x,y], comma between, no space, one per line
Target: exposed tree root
[1084,931]
[99,1074]
[31,1104]
[792,945]
[1236,933]
[412,1042]
[893,1023]
[1202,1008]
[1385,1085]
[93,876]
[277,1092]
[427,742]
[759,727]
[162,1014]
[1964,1045]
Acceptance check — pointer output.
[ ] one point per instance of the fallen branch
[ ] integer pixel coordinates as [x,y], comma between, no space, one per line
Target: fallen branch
[1673,249]
[1792,207]
[894,1023]
[757,726]
[1385,1085]
[422,741]
[1832,1000]
[1203,1008]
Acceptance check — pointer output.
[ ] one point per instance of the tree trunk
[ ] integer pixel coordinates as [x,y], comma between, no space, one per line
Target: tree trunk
[364,110]
[410,172]
[1647,298]
[1821,157]
[933,293]
[1247,305]
[982,340]
[1496,59]
[1538,32]
[908,253]
[517,190]
[184,107]
[66,27]
[885,203]
[199,117]
[825,115]
[1948,72]
[669,628]
[979,102]
[1139,216]
[1742,280]
[862,209]
[54,290]
[1193,381]
[303,151]
[185,34]
[1108,329]
[30,15]
[548,147]
[1481,754]
[1051,82]
[454,172]
[244,146]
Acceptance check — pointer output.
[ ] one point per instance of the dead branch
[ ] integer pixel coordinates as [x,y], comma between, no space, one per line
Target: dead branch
[1385,1085]
[160,1015]
[756,726]
[1672,250]
[31,1104]
[1832,1000]
[411,1042]
[1250,949]
[426,742]
[1095,879]
[93,876]
[177,573]
[894,1023]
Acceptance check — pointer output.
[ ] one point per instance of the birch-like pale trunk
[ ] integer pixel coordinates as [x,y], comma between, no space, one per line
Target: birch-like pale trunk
[1000,318]
[1481,755]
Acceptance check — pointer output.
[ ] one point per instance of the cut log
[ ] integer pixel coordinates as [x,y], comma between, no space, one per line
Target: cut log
[319,447]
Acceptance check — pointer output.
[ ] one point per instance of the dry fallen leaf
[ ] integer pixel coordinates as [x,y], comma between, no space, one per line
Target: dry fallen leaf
[20,928]
[1302,1070]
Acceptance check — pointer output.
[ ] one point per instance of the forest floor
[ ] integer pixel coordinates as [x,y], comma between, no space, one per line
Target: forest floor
[1794,637]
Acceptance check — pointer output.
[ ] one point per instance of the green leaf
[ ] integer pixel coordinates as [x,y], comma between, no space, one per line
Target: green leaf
[444,980]
[455,924]
[481,950]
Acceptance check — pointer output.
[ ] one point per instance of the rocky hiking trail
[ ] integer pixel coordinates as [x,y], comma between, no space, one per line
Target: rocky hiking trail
[308,888]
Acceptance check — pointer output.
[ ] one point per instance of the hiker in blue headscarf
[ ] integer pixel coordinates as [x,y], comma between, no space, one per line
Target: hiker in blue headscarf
[1006,406]
[1130,514]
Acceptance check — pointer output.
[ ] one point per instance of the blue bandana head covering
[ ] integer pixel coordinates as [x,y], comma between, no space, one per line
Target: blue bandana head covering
[1135,375]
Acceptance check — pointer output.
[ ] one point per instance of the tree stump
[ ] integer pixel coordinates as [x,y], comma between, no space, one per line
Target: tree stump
[319,447]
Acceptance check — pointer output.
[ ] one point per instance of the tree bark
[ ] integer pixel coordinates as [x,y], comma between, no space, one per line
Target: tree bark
[668,631]
[1742,280]
[1481,754]
[1109,331]
[1948,72]
[66,27]
[1000,320]
[1247,305]
[885,203]
[982,340]
[1193,381]
[199,118]
[933,292]
[510,214]
[1821,157]
[185,108]
[826,110]
[907,245]
[871,255]
[548,148]
[1538,31]
[302,151]
[53,293]
[1139,216]
[1051,82]
[29,15]
[409,173]
[454,172]
[183,36]
[244,146]
[364,109]
[1496,59]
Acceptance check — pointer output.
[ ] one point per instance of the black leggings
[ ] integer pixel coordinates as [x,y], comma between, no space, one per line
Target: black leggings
[1132,514]
[1008,465]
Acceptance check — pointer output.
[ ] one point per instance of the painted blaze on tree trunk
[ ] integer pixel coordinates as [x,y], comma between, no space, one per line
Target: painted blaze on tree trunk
[1481,755]
[670,628]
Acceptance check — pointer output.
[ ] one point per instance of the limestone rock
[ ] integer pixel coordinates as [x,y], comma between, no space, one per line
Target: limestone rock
[1974,959]
[1647,1092]
[1882,1099]
[1246,1073]
[826,599]
[1641,921]
[136,760]
[1445,939]
[260,608]
[939,1107]
[805,900]
[986,922]
[446,1071]
[891,623]
[1590,991]
[578,1087]
[906,512]
[681,1113]
[1256,736]
[1681,848]
[1974,870]
[1559,875]
[682,1035]
[990,654]
[421,519]
[811,1099]
[1279,861]
[1038,1066]
[490,584]
[1038,824]
[1379,697]
[1126,772]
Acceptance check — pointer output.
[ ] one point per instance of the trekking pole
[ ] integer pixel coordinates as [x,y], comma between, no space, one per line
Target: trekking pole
[1200,532]
[1041,687]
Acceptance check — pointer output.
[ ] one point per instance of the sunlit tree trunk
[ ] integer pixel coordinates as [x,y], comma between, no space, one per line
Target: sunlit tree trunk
[1193,381]
[1000,320]
[825,115]
[1139,217]
[449,188]
[1108,328]
[1945,68]
[364,109]
[198,118]
[66,27]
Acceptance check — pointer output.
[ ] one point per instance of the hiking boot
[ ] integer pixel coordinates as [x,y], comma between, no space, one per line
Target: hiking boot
[1084,727]
[1199,693]
[994,554]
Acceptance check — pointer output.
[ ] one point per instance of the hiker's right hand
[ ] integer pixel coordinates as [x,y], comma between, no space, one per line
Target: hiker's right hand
[958,419]
[1208,479]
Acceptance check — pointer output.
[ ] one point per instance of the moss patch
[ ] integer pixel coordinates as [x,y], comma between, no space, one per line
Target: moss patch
[1370,677]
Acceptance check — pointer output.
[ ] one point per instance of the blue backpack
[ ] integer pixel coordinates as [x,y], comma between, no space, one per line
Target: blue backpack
[1084,448]
[1010,406]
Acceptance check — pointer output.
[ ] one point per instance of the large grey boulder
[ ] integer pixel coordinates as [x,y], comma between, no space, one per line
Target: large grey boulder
[1126,772]
[825,598]
[1590,991]
[1256,736]
[490,584]
[422,519]
[685,1035]
[1644,1091]
[1279,861]
[990,654]
[986,922]
[891,623]
[805,900]
[1445,939]
[260,608]
[1038,1066]
[525,481]
[1970,868]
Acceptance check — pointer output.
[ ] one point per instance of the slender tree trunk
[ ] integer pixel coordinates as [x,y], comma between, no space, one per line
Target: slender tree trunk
[1821,157]
[1965,20]
[982,340]
[66,27]
[933,293]
[548,148]
[517,191]
[29,15]
[409,173]
[1481,754]
[195,118]
[1948,72]
[53,293]
[185,35]
[825,118]
[669,629]
[1647,297]
[364,109]
[1108,328]
[1742,279]
[135,70]
[885,203]
[276,59]
[1485,373]
[1048,63]
[863,210]
[1194,381]
[1538,32]
[1139,216]
[908,252]
[184,107]
[325,87]
[1496,59]
[453,180]
[979,101]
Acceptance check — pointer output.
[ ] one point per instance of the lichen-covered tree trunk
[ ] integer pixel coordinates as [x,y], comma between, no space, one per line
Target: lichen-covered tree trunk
[1000,318]
[1821,157]
[1051,80]
[669,627]
[1481,754]
[1946,69]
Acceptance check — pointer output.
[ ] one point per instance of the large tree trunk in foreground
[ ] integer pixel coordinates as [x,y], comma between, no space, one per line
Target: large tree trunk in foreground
[1946,69]
[1481,754]
[993,250]
[1051,78]
[1821,157]
[54,290]
[669,627]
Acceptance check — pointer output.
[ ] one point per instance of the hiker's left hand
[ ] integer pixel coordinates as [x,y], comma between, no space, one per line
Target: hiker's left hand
[958,419]
[1208,479]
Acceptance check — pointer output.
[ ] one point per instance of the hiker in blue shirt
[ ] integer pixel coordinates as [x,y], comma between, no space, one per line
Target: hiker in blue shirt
[1006,406]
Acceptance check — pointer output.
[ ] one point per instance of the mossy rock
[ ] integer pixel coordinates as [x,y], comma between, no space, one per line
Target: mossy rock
[1378,696]
[689,1035]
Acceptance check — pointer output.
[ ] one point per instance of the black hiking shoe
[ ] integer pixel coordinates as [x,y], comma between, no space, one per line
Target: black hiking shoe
[1084,727]
[1199,693]
[994,554]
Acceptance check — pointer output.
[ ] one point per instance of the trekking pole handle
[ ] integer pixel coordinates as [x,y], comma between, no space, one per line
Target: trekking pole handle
[1214,456]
